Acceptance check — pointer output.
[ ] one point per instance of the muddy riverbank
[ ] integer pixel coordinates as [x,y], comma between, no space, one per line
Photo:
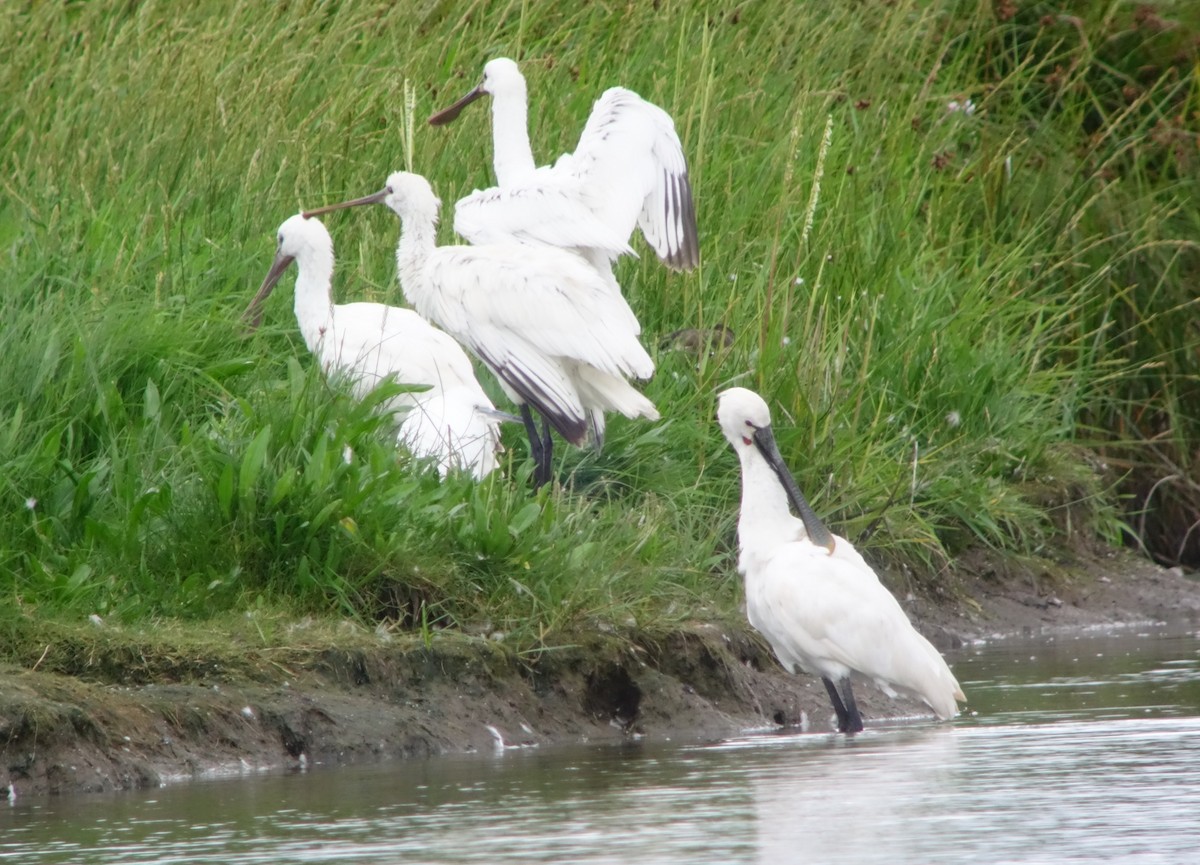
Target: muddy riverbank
[116,717]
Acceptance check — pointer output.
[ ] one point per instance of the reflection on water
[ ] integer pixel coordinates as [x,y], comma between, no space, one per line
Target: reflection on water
[1089,792]
[1083,677]
[1077,750]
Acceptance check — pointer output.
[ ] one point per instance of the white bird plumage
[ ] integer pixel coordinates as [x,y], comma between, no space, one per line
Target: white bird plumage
[540,318]
[628,171]
[453,421]
[810,593]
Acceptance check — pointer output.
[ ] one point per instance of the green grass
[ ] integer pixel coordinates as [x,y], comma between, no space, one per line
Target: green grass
[947,310]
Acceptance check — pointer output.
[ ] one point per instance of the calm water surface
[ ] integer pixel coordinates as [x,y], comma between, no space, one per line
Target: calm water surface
[1082,750]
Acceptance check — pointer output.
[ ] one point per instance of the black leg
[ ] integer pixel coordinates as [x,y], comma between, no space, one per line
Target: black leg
[547,450]
[854,722]
[535,444]
[836,699]
[844,706]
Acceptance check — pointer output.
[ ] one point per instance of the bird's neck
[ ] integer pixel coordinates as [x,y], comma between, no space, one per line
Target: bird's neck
[418,240]
[765,519]
[512,154]
[313,302]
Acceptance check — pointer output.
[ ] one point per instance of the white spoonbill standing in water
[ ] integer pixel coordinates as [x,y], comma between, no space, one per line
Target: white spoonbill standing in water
[542,319]
[453,421]
[810,593]
[627,171]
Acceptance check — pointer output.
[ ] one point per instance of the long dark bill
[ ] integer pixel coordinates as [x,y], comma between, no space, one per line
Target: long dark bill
[450,114]
[373,198]
[817,532]
[253,313]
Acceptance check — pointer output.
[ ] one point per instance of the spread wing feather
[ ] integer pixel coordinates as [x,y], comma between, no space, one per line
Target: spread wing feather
[552,211]
[628,171]
[629,149]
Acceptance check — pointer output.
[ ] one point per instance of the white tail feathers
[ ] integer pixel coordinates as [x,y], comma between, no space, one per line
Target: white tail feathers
[612,393]
[450,428]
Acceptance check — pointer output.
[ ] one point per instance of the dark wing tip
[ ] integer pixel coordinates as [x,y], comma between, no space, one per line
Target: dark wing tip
[685,256]
[576,432]
[573,429]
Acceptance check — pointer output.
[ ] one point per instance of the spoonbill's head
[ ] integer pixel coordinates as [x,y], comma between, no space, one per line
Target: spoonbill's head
[409,193]
[745,420]
[406,193]
[742,414]
[299,237]
[501,77]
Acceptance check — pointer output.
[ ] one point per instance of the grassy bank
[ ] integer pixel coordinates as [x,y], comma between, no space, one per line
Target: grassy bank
[957,248]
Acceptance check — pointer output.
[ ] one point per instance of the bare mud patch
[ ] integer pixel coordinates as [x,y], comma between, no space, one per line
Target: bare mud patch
[118,725]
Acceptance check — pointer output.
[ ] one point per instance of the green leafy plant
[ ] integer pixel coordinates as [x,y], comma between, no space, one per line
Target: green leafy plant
[955,249]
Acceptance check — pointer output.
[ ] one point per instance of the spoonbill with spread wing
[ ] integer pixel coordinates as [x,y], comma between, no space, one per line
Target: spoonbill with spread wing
[810,593]
[627,171]
[453,421]
[540,318]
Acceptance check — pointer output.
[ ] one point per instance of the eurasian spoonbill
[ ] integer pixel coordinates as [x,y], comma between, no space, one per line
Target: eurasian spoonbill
[453,421]
[627,171]
[809,592]
[540,318]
